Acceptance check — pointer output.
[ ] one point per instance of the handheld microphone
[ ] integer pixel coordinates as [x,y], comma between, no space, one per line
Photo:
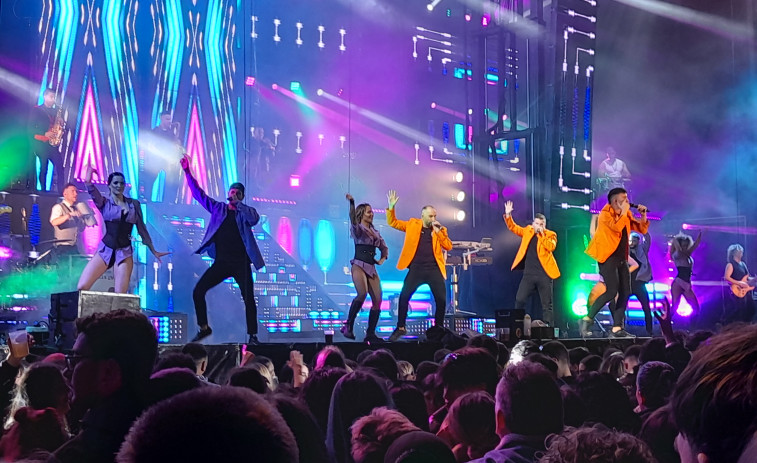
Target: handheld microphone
[636,206]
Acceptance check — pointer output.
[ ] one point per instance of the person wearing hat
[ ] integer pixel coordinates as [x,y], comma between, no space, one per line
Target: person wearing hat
[229,241]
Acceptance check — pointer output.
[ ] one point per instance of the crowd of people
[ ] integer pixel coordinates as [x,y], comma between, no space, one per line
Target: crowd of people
[683,397]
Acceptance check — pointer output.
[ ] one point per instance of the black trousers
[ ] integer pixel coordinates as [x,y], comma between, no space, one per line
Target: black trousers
[418,275]
[617,283]
[541,283]
[639,289]
[219,271]
[739,309]
[50,153]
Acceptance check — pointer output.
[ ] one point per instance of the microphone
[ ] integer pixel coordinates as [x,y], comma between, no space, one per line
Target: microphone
[230,199]
[636,206]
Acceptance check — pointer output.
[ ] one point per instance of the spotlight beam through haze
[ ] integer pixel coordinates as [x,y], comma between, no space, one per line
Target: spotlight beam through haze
[742,32]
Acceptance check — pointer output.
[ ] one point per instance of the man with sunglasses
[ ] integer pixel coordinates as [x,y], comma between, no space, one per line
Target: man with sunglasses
[109,371]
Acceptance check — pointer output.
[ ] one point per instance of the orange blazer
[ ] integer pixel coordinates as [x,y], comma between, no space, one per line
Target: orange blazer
[609,230]
[544,246]
[412,228]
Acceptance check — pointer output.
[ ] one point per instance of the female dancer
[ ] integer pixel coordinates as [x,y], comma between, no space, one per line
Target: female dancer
[120,214]
[364,276]
[681,248]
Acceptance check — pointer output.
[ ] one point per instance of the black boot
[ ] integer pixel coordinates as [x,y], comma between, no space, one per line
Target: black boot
[347,328]
[370,334]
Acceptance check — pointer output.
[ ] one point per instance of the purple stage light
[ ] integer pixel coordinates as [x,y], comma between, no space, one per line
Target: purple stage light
[485,19]
[433,105]
[294,181]
[5,253]
[275,86]
[250,81]
[684,309]
[467,17]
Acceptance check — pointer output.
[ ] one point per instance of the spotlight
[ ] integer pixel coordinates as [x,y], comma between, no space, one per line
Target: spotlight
[460,216]
[458,177]
[319,92]
[460,196]
[432,5]
[295,86]
[250,81]
[294,181]
[275,86]
[433,105]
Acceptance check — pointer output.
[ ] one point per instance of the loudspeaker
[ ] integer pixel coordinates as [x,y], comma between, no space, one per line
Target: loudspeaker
[544,332]
[65,308]
[508,324]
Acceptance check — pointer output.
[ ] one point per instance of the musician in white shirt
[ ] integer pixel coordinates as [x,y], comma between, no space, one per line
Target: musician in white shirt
[68,218]
[614,170]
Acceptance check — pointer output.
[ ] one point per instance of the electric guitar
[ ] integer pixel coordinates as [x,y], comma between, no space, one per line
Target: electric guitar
[740,291]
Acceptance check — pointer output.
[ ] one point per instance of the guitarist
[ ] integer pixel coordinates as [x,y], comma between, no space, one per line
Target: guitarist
[43,121]
[741,302]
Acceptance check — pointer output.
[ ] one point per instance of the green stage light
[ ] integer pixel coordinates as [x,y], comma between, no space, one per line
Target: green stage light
[295,86]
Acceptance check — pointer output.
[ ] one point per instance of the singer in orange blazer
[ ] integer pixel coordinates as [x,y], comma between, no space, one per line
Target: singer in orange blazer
[412,228]
[610,227]
[545,246]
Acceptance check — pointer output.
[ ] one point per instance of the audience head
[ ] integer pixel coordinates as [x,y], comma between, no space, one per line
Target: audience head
[114,352]
[210,424]
[316,393]
[41,386]
[606,402]
[354,396]
[329,356]
[654,383]
[373,434]
[715,399]
[590,363]
[309,437]
[503,354]
[33,430]
[528,401]
[559,353]
[596,444]
[265,372]
[697,338]
[613,365]
[424,369]
[419,447]
[199,354]
[659,432]
[653,350]
[485,342]
[174,360]
[249,378]
[405,371]
[472,424]
[521,350]
[440,354]
[577,354]
[544,361]
[573,407]
[169,382]
[466,370]
[631,358]
[382,362]
[410,401]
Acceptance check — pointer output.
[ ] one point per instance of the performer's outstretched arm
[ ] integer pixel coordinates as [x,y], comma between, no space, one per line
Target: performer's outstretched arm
[97,197]
[197,192]
[511,225]
[391,217]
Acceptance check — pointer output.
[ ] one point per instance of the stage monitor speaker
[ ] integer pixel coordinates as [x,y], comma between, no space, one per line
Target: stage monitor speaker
[544,332]
[508,324]
[65,308]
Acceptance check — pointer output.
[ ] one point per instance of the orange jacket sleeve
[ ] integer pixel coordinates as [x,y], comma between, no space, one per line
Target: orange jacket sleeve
[444,240]
[549,240]
[391,219]
[514,227]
